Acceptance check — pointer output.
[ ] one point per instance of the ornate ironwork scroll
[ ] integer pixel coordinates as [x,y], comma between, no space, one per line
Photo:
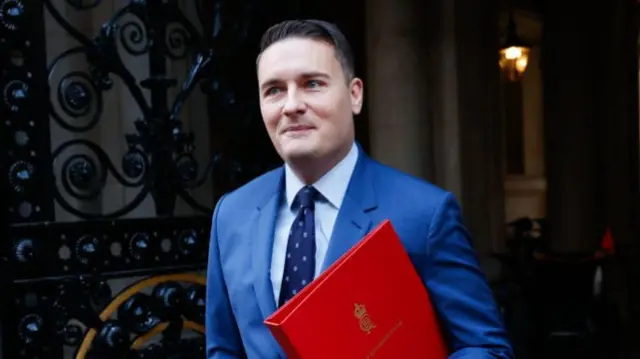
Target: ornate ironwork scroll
[159,160]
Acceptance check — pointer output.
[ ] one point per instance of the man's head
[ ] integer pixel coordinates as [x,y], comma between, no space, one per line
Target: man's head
[308,93]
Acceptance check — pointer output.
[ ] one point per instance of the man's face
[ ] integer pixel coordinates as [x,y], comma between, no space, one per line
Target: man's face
[306,103]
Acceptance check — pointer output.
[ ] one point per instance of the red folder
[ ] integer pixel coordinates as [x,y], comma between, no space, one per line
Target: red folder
[370,303]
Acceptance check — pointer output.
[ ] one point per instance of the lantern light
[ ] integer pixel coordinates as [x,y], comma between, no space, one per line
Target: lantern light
[514,54]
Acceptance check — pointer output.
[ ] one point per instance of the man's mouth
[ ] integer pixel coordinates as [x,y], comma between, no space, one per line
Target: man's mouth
[297,129]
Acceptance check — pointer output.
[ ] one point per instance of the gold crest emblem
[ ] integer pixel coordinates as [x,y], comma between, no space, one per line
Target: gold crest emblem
[366,324]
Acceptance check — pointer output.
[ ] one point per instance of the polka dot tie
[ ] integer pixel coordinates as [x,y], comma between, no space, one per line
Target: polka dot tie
[299,266]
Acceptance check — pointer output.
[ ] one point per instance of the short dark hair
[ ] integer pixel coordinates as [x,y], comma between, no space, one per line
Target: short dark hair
[313,29]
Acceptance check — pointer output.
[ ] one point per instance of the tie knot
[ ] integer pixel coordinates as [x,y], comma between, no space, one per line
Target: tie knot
[307,196]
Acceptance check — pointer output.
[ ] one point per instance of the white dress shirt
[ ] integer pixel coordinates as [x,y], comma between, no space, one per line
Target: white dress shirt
[332,186]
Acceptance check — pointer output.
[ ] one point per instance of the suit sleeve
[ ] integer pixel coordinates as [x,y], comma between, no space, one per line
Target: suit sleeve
[459,289]
[222,336]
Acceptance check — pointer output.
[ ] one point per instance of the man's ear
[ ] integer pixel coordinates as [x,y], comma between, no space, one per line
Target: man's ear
[356,90]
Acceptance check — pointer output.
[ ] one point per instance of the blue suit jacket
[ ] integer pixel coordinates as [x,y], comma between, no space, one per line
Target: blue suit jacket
[427,219]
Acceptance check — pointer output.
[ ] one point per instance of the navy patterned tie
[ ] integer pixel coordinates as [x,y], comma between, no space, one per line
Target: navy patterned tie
[300,264]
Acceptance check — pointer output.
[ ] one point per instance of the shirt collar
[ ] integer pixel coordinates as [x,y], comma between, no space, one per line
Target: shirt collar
[332,186]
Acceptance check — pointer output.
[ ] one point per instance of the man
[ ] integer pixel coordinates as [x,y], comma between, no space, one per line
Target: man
[272,236]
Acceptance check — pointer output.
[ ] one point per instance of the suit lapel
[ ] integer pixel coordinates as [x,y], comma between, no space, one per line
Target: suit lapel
[351,225]
[353,221]
[262,248]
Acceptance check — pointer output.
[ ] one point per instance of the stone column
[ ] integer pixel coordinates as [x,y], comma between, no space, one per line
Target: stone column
[574,210]
[591,122]
[464,97]
[395,91]
[617,92]
[433,97]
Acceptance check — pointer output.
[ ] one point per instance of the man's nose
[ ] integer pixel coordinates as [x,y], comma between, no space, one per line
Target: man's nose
[294,105]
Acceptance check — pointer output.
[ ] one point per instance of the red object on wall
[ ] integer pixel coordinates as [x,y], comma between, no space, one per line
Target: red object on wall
[607,242]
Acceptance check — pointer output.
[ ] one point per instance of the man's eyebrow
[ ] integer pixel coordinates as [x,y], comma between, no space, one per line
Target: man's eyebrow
[307,75]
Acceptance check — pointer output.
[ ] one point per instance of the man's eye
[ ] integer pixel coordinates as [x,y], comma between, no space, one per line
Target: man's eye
[272,91]
[313,83]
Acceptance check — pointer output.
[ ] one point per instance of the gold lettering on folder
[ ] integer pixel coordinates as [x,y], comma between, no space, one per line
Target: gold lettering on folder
[366,324]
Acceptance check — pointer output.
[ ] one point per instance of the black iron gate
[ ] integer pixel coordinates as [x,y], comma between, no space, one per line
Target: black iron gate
[66,249]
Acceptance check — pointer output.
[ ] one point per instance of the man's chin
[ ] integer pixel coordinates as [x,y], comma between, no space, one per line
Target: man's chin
[296,152]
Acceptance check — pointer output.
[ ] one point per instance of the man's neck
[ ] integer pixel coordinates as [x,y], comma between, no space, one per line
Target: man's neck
[310,171]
